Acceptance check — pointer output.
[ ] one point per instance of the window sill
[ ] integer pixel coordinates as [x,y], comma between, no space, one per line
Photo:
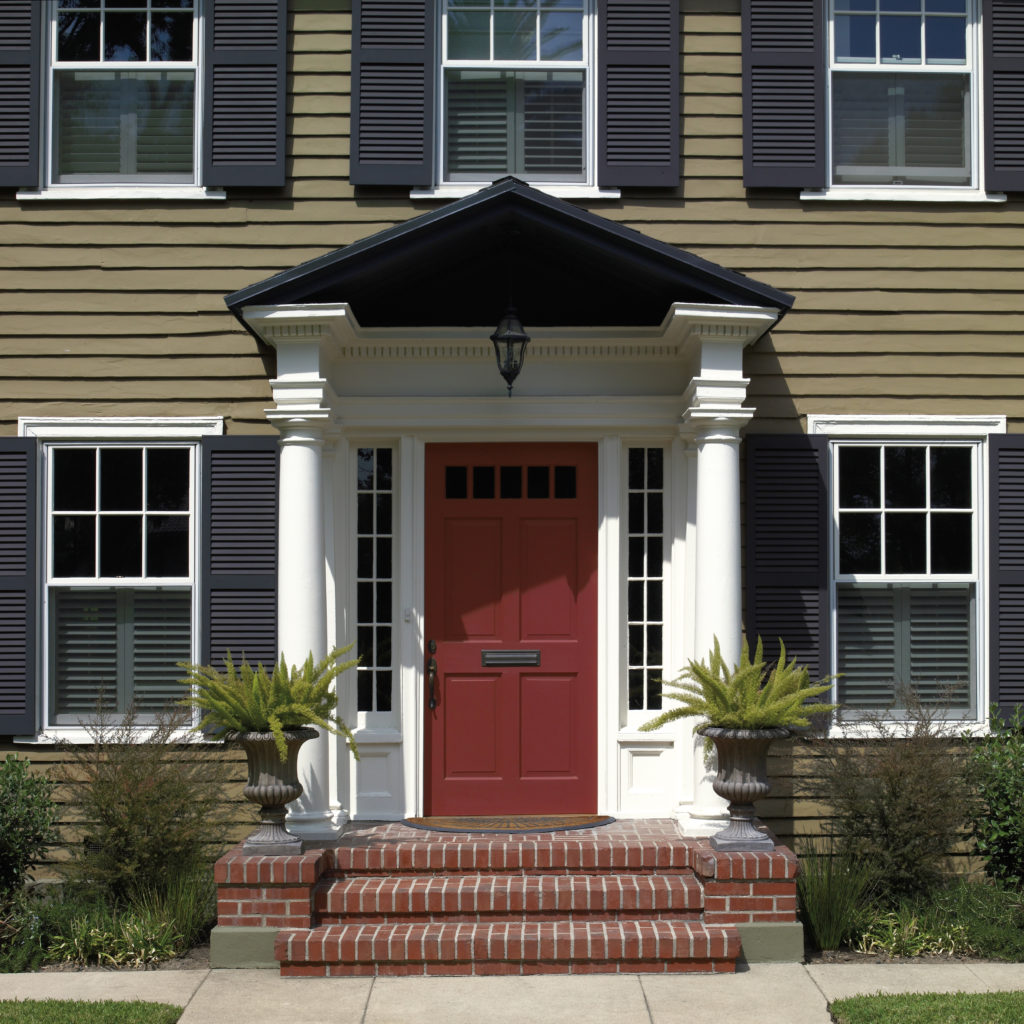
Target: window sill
[150,192]
[76,734]
[565,191]
[876,729]
[900,194]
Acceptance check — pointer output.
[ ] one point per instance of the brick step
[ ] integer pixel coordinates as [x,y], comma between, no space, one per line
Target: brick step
[399,850]
[403,898]
[522,947]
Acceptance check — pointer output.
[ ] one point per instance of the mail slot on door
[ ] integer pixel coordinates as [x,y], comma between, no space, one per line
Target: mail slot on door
[497,658]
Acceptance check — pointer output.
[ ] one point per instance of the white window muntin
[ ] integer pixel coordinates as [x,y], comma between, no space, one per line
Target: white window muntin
[968,67]
[103,65]
[926,509]
[584,64]
[97,578]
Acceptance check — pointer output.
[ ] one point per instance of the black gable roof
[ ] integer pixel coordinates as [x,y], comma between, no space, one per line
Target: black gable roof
[460,266]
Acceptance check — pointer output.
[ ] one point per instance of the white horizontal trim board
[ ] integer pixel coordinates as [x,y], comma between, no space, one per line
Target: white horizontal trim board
[134,428]
[905,426]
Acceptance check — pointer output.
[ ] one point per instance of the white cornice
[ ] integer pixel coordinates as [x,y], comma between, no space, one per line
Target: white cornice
[101,428]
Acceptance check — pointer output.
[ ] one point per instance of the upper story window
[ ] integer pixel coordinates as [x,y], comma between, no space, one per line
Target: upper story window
[515,90]
[902,92]
[122,80]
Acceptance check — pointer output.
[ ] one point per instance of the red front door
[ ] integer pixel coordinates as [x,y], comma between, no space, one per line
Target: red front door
[511,625]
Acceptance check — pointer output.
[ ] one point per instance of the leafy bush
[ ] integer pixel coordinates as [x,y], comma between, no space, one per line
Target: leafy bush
[27,818]
[832,890]
[20,946]
[997,771]
[750,695]
[148,808]
[900,800]
[251,701]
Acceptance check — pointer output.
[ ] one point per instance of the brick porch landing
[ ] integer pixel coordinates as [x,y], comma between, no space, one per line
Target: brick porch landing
[630,897]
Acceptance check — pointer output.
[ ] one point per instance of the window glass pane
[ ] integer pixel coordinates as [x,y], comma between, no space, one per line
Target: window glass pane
[167,546]
[561,36]
[905,542]
[636,556]
[860,478]
[654,556]
[860,549]
[906,129]
[171,37]
[950,477]
[654,597]
[655,468]
[949,6]
[383,602]
[515,35]
[654,690]
[945,40]
[364,691]
[855,5]
[951,542]
[904,477]
[364,472]
[364,557]
[74,479]
[74,545]
[854,38]
[469,35]
[635,591]
[654,645]
[383,680]
[83,641]
[636,469]
[565,481]
[900,39]
[125,36]
[167,479]
[636,513]
[384,469]
[537,482]
[383,513]
[906,6]
[636,645]
[456,479]
[78,36]
[121,479]
[867,662]
[120,545]
[364,602]
[133,125]
[384,557]
[483,481]
[364,513]
[161,628]
[636,689]
[654,513]
[511,481]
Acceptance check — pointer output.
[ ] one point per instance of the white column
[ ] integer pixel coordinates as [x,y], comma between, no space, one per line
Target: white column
[302,601]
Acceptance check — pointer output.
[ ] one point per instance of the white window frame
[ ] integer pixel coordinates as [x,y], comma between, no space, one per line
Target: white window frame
[973,192]
[128,431]
[587,188]
[934,430]
[120,188]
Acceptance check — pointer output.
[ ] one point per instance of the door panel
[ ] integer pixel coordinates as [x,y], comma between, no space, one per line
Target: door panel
[511,567]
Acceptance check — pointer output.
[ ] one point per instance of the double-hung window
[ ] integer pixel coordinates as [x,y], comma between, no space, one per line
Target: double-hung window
[903,92]
[120,572]
[123,85]
[905,573]
[516,90]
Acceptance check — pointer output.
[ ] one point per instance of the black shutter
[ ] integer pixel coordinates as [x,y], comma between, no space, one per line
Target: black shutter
[244,93]
[239,549]
[788,516]
[1006,588]
[17,586]
[394,67]
[638,93]
[21,27]
[1003,45]
[783,94]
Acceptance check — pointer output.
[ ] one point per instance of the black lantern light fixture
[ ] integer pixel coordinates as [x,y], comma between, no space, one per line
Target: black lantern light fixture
[510,341]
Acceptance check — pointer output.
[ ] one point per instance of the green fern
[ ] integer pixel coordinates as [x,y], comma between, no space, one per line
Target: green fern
[748,696]
[249,700]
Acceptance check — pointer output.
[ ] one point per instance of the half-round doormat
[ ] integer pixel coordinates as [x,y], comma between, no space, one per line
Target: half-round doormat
[509,822]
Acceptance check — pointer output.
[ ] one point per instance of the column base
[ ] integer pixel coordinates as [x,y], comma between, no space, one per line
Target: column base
[700,823]
[314,826]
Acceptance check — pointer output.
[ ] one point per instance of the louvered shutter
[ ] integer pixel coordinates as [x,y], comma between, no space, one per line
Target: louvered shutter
[17,586]
[244,93]
[21,26]
[783,94]
[1003,44]
[787,520]
[638,93]
[239,549]
[394,63]
[1006,594]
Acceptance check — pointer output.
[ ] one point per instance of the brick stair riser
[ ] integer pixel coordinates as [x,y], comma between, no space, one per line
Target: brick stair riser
[473,898]
[508,948]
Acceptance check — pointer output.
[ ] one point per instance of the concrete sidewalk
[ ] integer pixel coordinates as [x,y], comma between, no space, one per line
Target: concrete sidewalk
[781,994]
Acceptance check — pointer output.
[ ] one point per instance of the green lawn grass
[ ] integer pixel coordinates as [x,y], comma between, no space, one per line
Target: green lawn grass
[77,1011]
[932,1008]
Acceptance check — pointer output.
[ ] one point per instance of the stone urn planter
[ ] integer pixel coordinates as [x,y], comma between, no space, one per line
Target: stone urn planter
[742,778]
[272,784]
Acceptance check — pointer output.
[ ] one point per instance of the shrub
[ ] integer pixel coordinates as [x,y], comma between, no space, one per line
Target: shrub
[997,772]
[832,890]
[27,817]
[900,800]
[148,808]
